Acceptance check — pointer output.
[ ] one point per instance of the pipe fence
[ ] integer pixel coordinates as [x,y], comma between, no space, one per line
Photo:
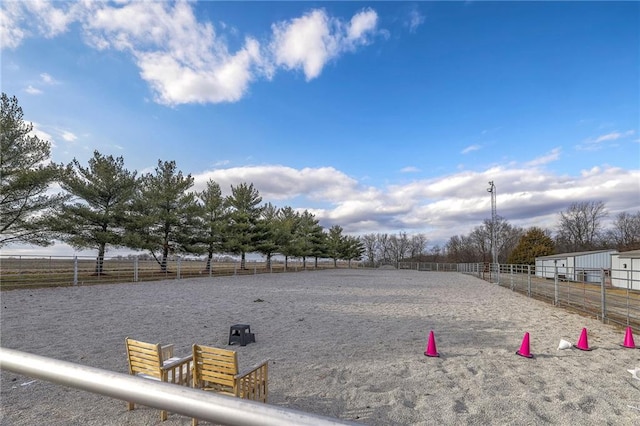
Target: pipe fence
[57,271]
[219,409]
[611,295]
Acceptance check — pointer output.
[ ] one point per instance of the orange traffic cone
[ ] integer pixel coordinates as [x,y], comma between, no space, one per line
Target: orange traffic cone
[628,340]
[583,344]
[431,346]
[524,347]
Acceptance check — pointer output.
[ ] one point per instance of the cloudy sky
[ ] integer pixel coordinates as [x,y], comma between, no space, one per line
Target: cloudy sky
[379,117]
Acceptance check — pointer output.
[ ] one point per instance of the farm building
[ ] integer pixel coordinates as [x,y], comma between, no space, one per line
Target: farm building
[625,270]
[583,266]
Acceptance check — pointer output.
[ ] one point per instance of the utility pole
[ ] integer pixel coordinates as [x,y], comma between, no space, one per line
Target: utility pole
[494,218]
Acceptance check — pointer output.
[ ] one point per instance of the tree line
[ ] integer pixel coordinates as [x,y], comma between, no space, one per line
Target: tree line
[581,227]
[103,205]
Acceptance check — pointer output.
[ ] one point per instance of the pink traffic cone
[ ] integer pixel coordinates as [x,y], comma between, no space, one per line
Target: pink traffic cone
[628,340]
[583,344]
[524,347]
[431,346]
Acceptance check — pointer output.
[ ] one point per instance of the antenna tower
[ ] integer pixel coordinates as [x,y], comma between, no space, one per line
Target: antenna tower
[494,218]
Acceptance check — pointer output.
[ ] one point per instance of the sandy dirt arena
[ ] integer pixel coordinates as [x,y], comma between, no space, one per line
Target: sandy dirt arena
[343,343]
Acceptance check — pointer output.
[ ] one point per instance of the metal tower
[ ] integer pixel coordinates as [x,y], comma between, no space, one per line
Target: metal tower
[494,218]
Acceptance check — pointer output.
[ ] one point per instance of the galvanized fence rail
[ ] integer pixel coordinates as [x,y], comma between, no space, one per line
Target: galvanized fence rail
[21,271]
[613,296]
[203,405]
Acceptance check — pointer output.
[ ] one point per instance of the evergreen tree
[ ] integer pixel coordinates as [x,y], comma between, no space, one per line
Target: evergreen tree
[101,195]
[244,203]
[26,209]
[308,236]
[267,232]
[164,215]
[335,244]
[353,249]
[286,236]
[534,243]
[213,216]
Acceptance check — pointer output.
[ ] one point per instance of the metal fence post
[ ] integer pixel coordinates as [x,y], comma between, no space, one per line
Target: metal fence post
[555,282]
[136,262]
[75,270]
[603,294]
[628,295]
[511,276]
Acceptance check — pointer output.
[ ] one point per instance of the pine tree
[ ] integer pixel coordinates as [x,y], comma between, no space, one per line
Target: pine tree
[267,230]
[101,194]
[213,216]
[308,235]
[26,175]
[335,244]
[164,214]
[286,235]
[244,216]
[534,243]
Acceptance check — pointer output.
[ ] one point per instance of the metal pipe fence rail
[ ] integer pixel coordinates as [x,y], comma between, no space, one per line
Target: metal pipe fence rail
[612,296]
[429,266]
[211,407]
[56,271]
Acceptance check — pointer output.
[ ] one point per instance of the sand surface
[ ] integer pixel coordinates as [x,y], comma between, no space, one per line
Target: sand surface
[346,343]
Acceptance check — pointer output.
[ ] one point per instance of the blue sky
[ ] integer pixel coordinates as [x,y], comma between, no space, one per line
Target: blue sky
[377,116]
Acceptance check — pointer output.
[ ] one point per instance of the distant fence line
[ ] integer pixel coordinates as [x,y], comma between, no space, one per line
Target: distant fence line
[53,271]
[611,295]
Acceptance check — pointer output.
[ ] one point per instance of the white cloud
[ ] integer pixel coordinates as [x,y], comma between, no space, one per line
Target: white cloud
[597,143]
[281,182]
[68,136]
[362,24]
[51,21]
[613,136]
[47,79]
[441,207]
[183,59]
[415,20]
[409,169]
[309,42]
[471,148]
[553,155]
[33,90]
[11,32]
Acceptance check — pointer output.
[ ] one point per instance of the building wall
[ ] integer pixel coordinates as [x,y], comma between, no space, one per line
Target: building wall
[584,267]
[625,277]
[546,267]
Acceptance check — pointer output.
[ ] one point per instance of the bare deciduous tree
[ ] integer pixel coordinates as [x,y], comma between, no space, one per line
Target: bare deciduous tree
[370,244]
[625,232]
[580,226]
[418,245]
